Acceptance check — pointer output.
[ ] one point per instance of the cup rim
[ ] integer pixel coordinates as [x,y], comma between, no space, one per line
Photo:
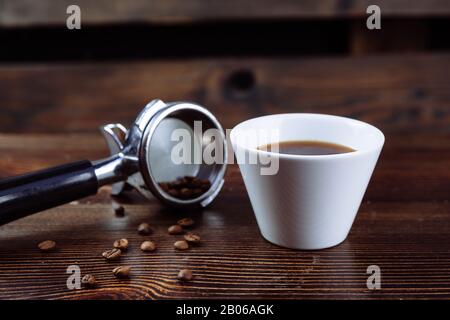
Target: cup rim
[376,146]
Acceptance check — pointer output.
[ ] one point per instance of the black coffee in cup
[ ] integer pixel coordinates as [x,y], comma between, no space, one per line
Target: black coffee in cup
[306,147]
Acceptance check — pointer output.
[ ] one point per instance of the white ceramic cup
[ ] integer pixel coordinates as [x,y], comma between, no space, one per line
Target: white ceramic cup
[312,201]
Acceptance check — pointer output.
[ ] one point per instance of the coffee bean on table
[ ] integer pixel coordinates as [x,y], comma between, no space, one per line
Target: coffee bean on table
[185,275]
[122,272]
[89,281]
[175,229]
[181,245]
[192,238]
[164,186]
[47,245]
[144,229]
[148,246]
[186,222]
[112,254]
[118,209]
[121,244]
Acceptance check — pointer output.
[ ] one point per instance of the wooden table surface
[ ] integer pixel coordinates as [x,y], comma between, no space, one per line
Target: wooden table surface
[51,112]
[403,226]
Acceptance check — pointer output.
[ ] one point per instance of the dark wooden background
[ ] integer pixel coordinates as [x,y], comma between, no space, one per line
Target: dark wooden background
[240,59]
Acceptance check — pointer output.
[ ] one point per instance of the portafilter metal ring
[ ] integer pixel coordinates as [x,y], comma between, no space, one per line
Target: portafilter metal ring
[141,157]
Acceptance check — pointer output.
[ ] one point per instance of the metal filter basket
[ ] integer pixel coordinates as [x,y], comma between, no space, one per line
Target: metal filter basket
[141,157]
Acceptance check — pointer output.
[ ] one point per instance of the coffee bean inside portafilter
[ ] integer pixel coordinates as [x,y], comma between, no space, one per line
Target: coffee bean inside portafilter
[187,187]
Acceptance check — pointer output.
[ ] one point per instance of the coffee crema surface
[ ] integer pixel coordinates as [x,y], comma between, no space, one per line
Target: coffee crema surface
[306,147]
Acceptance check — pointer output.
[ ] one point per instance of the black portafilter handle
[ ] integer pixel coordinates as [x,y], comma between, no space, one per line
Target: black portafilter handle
[26,194]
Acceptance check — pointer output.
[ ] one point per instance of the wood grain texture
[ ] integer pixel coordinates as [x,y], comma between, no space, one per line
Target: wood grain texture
[405,91]
[30,12]
[407,35]
[403,226]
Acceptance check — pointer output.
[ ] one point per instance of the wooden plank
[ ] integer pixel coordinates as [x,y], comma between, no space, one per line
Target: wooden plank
[411,166]
[392,91]
[403,226]
[44,12]
[407,35]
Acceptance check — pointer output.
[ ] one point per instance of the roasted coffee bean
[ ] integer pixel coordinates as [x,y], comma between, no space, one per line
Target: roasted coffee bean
[118,209]
[112,254]
[144,229]
[189,179]
[121,244]
[185,275]
[186,222]
[192,238]
[47,245]
[187,187]
[89,281]
[197,192]
[175,229]
[202,184]
[174,193]
[164,186]
[122,272]
[186,193]
[206,182]
[148,246]
[181,245]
